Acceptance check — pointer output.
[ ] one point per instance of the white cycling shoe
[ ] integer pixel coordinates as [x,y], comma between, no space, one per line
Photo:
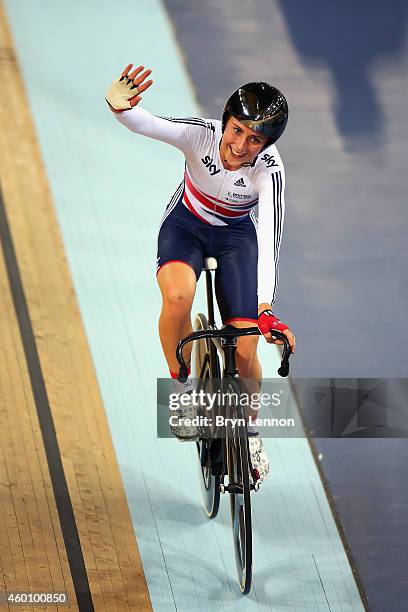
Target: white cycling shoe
[180,425]
[259,458]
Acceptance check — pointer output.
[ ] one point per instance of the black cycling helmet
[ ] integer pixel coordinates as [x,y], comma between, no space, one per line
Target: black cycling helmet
[259,106]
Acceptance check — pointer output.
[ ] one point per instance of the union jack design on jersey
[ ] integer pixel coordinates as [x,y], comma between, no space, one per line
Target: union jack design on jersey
[210,209]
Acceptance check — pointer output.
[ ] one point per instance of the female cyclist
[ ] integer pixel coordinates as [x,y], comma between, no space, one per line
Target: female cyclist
[231,167]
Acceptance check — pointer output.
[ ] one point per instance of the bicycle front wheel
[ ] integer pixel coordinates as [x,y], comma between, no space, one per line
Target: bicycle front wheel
[240,497]
[207,451]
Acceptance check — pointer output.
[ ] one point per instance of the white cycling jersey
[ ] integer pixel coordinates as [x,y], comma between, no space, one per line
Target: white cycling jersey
[218,196]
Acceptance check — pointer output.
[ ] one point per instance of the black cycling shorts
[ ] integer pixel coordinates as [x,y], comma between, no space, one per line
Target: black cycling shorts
[185,238]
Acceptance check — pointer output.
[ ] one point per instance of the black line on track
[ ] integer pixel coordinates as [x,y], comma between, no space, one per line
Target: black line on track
[52,451]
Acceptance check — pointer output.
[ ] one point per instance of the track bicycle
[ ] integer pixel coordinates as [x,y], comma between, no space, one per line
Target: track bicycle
[224,455]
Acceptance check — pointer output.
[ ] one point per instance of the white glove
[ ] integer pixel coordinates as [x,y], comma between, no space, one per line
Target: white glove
[124,93]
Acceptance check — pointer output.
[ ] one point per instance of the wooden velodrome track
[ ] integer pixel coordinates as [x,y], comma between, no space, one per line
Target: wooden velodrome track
[64,520]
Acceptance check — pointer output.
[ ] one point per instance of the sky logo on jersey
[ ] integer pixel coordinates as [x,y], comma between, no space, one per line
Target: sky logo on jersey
[270,160]
[240,183]
[208,162]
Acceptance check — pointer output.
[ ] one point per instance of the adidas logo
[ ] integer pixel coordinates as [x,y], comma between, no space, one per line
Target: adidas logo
[240,183]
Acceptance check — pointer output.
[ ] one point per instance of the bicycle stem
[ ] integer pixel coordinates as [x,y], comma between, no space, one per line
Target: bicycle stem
[229,346]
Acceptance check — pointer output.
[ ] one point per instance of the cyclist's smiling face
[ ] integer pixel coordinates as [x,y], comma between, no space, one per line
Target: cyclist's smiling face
[239,144]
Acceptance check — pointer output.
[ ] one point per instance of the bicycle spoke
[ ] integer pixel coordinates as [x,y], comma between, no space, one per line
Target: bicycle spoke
[210,483]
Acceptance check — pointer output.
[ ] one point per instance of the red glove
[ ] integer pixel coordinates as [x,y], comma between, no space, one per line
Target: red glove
[267,322]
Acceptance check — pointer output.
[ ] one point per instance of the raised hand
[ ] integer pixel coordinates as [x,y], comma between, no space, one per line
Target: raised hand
[124,93]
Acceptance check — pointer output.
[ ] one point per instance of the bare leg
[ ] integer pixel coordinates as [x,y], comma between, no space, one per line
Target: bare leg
[248,364]
[177,282]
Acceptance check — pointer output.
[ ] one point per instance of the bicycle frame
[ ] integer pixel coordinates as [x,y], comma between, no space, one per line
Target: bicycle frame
[233,453]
